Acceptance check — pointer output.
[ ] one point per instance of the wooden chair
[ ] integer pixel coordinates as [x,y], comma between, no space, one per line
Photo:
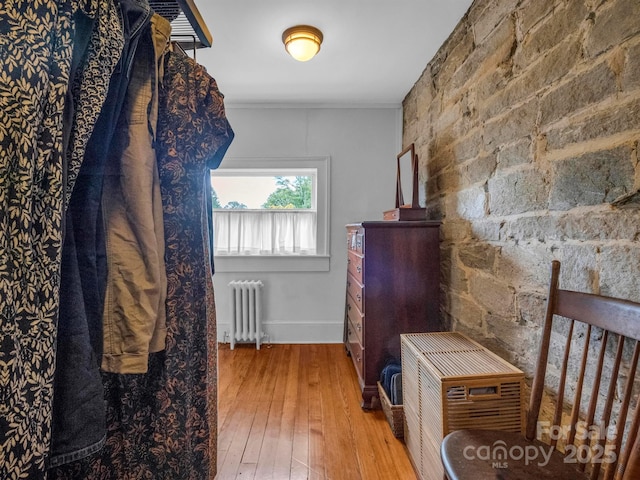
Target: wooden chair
[597,337]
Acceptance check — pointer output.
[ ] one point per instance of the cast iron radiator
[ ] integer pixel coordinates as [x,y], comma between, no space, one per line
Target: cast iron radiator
[246,311]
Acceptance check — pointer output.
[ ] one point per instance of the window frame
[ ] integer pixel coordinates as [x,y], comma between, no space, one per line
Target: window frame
[284,263]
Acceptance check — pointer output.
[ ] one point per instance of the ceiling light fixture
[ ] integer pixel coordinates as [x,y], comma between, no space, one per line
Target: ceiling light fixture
[302,42]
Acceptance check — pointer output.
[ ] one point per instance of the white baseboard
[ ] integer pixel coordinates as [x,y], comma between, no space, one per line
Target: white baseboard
[289,332]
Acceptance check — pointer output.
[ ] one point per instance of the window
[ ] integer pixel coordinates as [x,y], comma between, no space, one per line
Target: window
[265,212]
[266,209]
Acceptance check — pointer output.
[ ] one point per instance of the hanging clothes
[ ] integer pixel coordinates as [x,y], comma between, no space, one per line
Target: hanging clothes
[194,135]
[44,126]
[79,418]
[134,320]
[162,424]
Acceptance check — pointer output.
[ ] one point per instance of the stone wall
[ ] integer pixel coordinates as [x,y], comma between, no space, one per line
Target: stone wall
[527,125]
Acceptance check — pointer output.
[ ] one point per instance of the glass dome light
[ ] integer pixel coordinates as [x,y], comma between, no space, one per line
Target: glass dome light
[302,42]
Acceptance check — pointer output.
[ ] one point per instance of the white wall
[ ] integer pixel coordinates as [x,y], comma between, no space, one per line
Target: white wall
[362,143]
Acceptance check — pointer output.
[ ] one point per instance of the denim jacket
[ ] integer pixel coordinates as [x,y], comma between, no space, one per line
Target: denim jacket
[78,420]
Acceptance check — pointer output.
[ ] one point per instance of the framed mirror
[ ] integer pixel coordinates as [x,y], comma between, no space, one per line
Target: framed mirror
[407,175]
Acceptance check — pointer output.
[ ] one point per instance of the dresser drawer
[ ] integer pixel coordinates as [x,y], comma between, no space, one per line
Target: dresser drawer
[355,265]
[355,239]
[356,318]
[356,350]
[355,292]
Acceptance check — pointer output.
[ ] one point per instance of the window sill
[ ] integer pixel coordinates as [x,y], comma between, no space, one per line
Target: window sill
[275,263]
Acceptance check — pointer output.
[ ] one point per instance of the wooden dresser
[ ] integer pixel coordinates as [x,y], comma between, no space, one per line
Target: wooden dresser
[393,284]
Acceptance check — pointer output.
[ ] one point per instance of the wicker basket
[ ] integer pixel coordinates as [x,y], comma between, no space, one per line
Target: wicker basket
[394,413]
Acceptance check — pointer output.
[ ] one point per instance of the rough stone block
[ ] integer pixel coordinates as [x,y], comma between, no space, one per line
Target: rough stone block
[531,308]
[477,256]
[443,123]
[423,136]
[409,108]
[440,156]
[591,179]
[579,267]
[541,228]
[631,75]
[435,208]
[469,203]
[469,317]
[494,82]
[455,277]
[601,225]
[516,124]
[516,154]
[425,98]
[524,266]
[615,21]
[495,50]
[620,271]
[409,132]
[444,182]
[517,192]
[503,347]
[459,46]
[510,337]
[486,230]
[466,311]
[486,20]
[565,22]
[532,13]
[586,89]
[479,169]
[467,147]
[616,119]
[555,63]
[469,119]
[531,79]
[454,229]
[492,294]
[421,144]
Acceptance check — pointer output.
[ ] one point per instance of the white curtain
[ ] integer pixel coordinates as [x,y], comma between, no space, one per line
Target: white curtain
[264,232]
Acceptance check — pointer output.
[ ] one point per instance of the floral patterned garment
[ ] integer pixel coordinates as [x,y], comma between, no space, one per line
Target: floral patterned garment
[194,136]
[41,135]
[162,424]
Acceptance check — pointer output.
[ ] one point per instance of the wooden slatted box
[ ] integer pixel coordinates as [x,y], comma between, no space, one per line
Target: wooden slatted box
[451,382]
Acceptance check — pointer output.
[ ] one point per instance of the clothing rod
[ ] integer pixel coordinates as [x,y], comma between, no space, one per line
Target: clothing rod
[197,22]
[187,25]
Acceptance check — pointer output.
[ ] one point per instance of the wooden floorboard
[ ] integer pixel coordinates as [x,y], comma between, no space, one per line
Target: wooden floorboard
[292,412]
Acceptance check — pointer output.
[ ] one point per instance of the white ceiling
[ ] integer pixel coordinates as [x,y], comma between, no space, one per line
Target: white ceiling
[373,50]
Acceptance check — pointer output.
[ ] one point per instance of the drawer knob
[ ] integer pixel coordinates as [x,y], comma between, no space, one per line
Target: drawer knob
[358,297]
[359,268]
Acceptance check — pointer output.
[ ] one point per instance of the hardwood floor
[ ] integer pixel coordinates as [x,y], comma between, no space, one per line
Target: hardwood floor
[293,412]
